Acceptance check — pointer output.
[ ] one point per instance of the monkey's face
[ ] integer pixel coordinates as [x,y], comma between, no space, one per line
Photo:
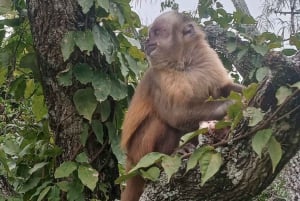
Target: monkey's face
[169,38]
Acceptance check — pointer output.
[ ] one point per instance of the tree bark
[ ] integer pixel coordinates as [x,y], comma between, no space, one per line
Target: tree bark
[50,20]
[243,174]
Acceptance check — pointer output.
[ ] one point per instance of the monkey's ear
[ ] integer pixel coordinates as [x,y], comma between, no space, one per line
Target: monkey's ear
[188,29]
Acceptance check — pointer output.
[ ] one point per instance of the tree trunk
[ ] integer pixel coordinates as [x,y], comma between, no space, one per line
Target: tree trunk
[243,174]
[50,20]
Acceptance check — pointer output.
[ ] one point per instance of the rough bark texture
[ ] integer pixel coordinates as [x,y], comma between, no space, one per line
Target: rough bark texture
[50,20]
[243,175]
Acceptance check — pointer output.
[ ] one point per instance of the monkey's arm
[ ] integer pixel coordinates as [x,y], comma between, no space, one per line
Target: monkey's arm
[186,117]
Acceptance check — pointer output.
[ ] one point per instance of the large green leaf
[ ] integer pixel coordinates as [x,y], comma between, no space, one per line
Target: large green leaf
[84,40]
[85,102]
[148,160]
[64,78]
[102,86]
[65,169]
[83,73]
[103,42]
[260,140]
[38,107]
[210,164]
[275,152]
[282,93]
[98,130]
[151,174]
[75,191]
[254,114]
[37,167]
[44,193]
[171,165]
[118,89]
[86,5]
[67,45]
[196,156]
[88,176]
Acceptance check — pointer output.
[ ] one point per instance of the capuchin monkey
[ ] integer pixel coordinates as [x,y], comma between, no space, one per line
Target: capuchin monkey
[171,99]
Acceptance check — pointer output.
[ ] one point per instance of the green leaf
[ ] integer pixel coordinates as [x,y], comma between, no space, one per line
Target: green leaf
[171,165]
[148,160]
[254,114]
[11,147]
[231,45]
[118,89]
[86,5]
[64,78]
[39,189]
[84,40]
[18,87]
[30,87]
[250,91]
[133,41]
[275,152]
[54,194]
[3,72]
[82,158]
[282,93]
[132,64]
[44,193]
[151,174]
[67,45]
[63,185]
[85,102]
[242,53]
[84,134]
[189,136]
[115,141]
[39,108]
[196,156]
[210,164]
[262,50]
[83,73]
[260,140]
[33,182]
[37,167]
[102,86]
[297,85]
[74,192]
[104,4]
[88,176]
[98,130]
[65,169]
[105,110]
[103,42]
[261,73]
[289,52]
[124,69]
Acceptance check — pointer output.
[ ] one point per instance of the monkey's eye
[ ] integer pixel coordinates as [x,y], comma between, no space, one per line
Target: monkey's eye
[156,32]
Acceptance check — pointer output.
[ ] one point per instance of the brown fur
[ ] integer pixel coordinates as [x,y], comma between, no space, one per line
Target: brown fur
[171,98]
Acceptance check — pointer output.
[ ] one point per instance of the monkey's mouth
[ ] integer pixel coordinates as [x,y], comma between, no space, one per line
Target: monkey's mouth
[150,48]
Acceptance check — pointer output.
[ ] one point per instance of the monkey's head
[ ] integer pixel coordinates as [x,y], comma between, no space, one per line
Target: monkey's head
[171,38]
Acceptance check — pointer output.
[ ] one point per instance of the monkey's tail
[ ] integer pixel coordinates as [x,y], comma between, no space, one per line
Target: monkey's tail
[134,189]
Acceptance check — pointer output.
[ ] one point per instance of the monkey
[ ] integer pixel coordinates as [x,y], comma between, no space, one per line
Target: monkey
[171,98]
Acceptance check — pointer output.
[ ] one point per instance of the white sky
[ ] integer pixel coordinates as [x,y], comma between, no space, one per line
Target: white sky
[148,10]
